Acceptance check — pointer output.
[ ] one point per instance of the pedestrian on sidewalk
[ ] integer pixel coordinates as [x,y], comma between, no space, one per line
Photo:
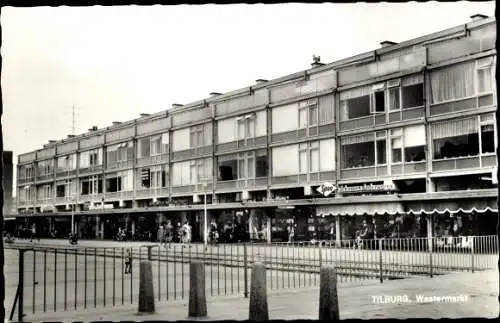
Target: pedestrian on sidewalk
[128,261]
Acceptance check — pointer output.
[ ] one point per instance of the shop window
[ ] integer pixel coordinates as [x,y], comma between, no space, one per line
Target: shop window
[413,96]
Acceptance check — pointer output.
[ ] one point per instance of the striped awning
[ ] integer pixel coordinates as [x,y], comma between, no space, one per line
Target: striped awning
[454,207]
[390,208]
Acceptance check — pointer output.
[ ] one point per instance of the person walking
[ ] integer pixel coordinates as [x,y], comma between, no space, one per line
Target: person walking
[128,261]
[168,234]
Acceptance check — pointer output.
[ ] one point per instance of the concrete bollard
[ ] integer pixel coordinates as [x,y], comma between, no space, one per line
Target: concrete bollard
[197,298]
[146,289]
[328,299]
[258,294]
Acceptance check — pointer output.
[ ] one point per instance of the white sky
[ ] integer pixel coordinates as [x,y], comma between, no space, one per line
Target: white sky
[113,63]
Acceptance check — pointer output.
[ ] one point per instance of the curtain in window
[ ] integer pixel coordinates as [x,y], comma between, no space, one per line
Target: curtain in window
[288,113]
[314,160]
[225,130]
[285,160]
[455,128]
[303,118]
[453,82]
[349,140]
[84,159]
[144,147]
[394,98]
[413,79]
[260,123]
[181,173]
[207,135]
[181,139]
[327,155]
[344,110]
[326,109]
[414,136]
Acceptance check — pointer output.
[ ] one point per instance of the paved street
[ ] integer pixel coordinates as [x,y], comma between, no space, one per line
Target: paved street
[480,289]
[98,281]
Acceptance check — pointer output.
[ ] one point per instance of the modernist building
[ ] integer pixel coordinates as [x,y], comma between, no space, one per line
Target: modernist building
[402,134]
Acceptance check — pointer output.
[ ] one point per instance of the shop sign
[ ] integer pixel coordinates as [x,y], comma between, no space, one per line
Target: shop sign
[367,188]
[101,207]
[326,189]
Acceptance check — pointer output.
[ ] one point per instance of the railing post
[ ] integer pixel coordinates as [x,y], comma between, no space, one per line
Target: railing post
[149,253]
[381,267]
[472,252]
[20,306]
[430,255]
[245,269]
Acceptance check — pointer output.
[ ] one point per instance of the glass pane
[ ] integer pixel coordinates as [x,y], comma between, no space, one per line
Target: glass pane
[484,80]
[487,139]
[413,96]
[394,102]
[381,152]
[314,166]
[396,155]
[302,118]
[415,154]
[194,177]
[241,129]
[313,115]
[303,161]
[241,168]
[251,168]
[250,127]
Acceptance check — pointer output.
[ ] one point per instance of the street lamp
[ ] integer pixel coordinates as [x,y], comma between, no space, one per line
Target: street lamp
[205,217]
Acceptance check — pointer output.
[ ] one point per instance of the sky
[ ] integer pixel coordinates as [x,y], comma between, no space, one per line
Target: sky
[113,63]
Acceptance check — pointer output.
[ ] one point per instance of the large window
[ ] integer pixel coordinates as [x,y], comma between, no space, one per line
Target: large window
[119,182]
[355,103]
[45,192]
[65,163]
[364,150]
[405,93]
[181,173]
[462,80]
[200,136]
[26,171]
[200,170]
[91,185]
[46,167]
[91,158]
[408,144]
[308,113]
[152,146]
[242,165]
[464,137]
[309,157]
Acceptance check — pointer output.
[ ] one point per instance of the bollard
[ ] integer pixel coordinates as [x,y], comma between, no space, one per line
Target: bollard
[328,299]
[197,298]
[146,290]
[258,294]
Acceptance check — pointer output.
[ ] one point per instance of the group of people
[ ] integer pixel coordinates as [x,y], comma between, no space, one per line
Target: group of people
[167,234]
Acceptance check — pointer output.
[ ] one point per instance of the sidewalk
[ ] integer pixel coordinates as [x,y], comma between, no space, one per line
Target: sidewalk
[480,291]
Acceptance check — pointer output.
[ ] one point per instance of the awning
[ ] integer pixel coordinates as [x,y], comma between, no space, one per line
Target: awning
[453,207]
[389,208]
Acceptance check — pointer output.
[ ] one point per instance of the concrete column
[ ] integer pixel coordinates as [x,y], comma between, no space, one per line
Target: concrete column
[338,234]
[269,231]
[132,227]
[97,226]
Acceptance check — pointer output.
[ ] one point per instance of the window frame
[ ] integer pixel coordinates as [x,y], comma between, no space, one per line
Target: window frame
[487,123]
[482,67]
[305,110]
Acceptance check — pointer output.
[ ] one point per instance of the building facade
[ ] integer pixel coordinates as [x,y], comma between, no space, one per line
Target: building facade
[403,137]
[7,182]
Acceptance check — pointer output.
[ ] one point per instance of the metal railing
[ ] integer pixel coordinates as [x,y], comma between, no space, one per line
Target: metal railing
[59,278]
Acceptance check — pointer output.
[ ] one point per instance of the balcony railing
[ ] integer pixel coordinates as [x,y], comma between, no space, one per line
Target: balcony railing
[408,168]
[45,177]
[90,198]
[65,173]
[463,104]
[363,122]
[91,169]
[183,189]
[153,192]
[361,172]
[120,165]
[152,160]
[26,180]
[447,164]
[406,114]
[125,195]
